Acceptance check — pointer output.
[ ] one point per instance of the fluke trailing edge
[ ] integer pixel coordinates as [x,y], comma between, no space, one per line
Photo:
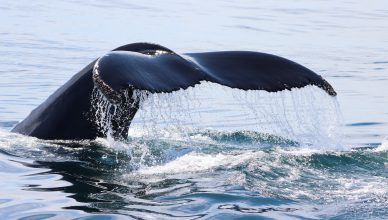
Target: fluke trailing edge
[69,112]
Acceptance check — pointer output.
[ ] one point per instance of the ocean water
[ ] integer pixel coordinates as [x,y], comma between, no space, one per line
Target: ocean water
[209,152]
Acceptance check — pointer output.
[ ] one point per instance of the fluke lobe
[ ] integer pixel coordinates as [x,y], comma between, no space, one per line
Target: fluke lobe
[69,112]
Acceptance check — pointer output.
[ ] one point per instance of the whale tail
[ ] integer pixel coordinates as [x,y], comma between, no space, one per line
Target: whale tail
[69,112]
[158,69]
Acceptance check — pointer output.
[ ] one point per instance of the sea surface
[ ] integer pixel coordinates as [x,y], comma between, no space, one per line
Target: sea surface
[210,152]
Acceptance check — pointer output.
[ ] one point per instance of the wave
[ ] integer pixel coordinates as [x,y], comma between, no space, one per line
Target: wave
[156,174]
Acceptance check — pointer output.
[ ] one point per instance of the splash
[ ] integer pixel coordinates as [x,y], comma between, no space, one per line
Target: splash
[211,118]
[112,118]
[383,146]
[307,115]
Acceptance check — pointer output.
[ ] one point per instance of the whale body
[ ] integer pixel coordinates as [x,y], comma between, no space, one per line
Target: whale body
[69,114]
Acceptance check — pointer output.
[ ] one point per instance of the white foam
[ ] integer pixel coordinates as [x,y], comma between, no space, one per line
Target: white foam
[301,151]
[383,146]
[14,140]
[195,162]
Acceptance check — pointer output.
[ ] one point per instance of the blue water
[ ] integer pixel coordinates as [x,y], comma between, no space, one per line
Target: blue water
[219,154]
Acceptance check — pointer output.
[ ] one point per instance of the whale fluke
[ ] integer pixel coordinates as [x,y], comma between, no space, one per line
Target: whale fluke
[166,71]
[67,114]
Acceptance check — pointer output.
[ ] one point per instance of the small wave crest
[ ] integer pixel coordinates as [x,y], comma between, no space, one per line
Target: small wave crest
[383,146]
